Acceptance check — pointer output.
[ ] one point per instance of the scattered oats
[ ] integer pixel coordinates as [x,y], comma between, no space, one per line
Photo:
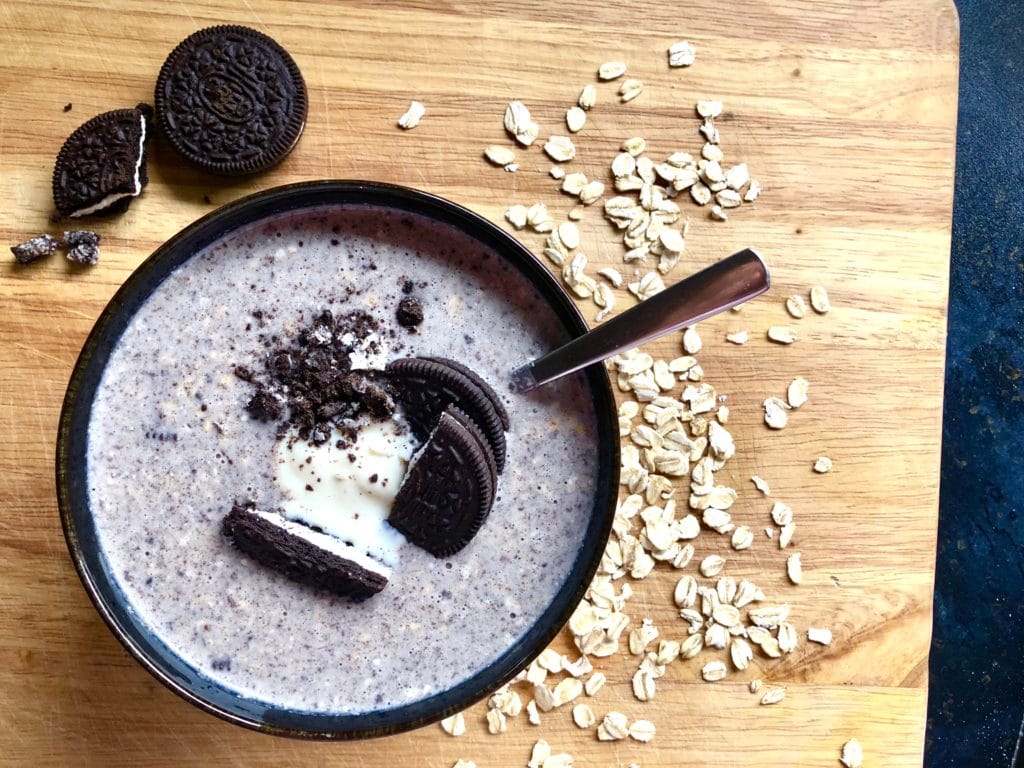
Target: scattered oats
[685,594]
[728,198]
[709,131]
[648,285]
[499,155]
[591,192]
[623,164]
[712,152]
[682,364]
[605,299]
[578,668]
[535,673]
[643,685]
[691,646]
[769,616]
[663,377]
[594,683]
[516,216]
[738,337]
[742,538]
[611,70]
[718,214]
[714,671]
[557,172]
[773,696]
[454,725]
[460,763]
[761,484]
[614,727]
[709,108]
[569,235]
[852,755]
[575,119]
[635,145]
[775,415]
[700,193]
[668,651]
[540,753]
[723,414]
[796,393]
[512,167]
[567,690]
[794,568]
[642,730]
[711,566]
[519,123]
[496,722]
[753,191]
[588,97]
[726,615]
[755,685]
[786,535]
[819,300]
[560,149]
[542,695]
[630,89]
[532,713]
[583,716]
[612,275]
[537,214]
[782,334]
[412,116]
[796,306]
[576,213]
[823,465]
[787,637]
[746,593]
[758,635]
[820,635]
[682,54]
[781,513]
[692,343]
[741,653]
[737,176]
[550,660]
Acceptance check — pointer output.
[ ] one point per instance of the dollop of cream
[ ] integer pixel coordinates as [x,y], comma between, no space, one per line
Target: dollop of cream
[347,492]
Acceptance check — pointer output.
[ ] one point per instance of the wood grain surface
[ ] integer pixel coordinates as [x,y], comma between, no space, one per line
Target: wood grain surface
[845,112]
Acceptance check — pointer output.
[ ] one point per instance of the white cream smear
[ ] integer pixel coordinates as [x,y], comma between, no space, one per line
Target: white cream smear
[347,492]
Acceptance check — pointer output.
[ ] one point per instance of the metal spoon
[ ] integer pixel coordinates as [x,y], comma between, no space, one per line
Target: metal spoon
[721,286]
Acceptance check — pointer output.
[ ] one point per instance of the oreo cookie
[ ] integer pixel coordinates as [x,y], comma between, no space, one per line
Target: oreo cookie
[447,492]
[426,387]
[484,387]
[231,101]
[102,165]
[303,554]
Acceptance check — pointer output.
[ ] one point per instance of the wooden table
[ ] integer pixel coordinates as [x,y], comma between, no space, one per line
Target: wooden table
[845,112]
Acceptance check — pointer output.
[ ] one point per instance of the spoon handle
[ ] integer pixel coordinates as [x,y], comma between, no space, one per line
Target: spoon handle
[721,286]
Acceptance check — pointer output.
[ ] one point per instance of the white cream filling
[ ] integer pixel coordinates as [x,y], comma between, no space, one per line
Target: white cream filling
[325,542]
[361,357]
[348,492]
[136,185]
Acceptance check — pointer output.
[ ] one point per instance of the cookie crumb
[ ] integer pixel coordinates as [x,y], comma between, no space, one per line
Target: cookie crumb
[35,248]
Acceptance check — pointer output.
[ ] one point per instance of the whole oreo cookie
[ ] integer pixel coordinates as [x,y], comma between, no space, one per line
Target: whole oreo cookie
[426,387]
[300,553]
[447,492]
[102,165]
[483,386]
[231,100]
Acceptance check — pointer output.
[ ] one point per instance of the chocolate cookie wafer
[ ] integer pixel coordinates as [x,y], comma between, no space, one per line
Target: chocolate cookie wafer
[304,554]
[426,387]
[447,492]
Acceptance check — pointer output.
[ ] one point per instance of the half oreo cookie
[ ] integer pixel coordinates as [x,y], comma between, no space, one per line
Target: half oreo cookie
[426,387]
[447,492]
[231,101]
[102,165]
[303,554]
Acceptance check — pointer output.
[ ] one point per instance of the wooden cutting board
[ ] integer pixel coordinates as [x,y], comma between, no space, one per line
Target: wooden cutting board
[845,112]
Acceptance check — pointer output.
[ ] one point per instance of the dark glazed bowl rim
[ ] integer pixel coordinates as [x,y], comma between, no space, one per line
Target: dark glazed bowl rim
[72,440]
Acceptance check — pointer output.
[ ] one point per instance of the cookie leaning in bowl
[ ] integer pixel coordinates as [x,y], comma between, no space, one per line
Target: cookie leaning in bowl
[231,101]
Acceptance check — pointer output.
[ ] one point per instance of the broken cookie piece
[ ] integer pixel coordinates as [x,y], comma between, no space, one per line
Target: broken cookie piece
[102,165]
[83,246]
[303,554]
[35,248]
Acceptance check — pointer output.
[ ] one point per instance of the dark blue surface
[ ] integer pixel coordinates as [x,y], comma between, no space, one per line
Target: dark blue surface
[977,662]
